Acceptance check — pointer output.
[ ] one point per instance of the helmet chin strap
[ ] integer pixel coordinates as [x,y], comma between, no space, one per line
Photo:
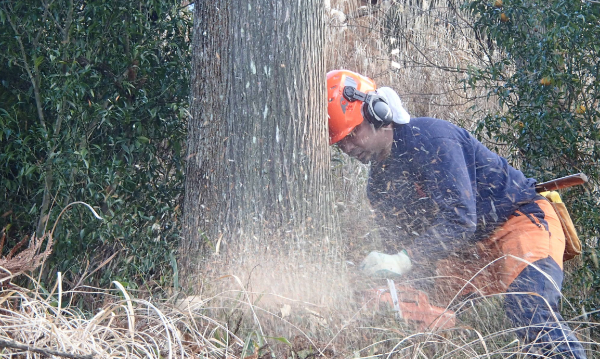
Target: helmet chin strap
[375,109]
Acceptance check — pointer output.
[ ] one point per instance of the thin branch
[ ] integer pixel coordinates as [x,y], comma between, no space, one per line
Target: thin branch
[362,12]
[32,76]
[188,5]
[39,34]
[47,352]
[68,22]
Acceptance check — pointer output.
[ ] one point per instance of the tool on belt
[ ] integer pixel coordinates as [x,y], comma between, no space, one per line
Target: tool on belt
[548,190]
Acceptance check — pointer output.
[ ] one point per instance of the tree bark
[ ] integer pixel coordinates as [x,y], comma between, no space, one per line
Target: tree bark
[258,170]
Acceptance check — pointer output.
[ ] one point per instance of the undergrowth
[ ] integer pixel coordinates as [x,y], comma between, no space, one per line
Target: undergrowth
[236,324]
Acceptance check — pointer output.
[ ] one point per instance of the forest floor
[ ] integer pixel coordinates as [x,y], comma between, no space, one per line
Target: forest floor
[35,323]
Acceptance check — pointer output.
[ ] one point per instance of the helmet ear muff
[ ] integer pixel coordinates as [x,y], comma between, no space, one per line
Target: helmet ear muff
[375,107]
[378,112]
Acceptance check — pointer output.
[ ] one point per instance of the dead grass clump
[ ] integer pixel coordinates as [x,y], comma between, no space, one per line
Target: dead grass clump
[39,324]
[19,261]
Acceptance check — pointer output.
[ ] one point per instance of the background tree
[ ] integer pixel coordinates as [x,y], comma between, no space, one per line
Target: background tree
[93,100]
[257,176]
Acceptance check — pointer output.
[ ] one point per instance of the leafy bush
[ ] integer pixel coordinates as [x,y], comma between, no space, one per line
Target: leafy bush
[546,81]
[93,105]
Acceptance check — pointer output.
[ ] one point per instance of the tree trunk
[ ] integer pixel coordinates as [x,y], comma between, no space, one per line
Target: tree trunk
[258,170]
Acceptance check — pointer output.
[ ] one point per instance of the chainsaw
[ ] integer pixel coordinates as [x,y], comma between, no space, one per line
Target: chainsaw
[412,305]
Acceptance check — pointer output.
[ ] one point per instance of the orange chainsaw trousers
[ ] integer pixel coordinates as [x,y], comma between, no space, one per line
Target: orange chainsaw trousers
[533,232]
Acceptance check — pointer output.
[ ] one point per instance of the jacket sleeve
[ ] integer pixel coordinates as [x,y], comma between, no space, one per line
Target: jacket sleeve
[447,171]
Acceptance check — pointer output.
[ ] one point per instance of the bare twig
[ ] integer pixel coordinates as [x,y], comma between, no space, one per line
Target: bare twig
[34,78]
[47,352]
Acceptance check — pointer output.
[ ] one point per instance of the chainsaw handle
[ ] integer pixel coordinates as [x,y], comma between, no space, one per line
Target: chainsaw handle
[563,182]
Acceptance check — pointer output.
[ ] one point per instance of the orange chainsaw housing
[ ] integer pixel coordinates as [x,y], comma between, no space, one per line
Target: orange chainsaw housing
[414,306]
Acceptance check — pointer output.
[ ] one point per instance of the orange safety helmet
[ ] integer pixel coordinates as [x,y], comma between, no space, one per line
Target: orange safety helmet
[344,115]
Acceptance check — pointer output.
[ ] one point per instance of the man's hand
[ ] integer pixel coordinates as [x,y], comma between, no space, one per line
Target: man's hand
[378,264]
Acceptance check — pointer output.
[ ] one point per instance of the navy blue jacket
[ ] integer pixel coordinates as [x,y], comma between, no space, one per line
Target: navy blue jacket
[444,188]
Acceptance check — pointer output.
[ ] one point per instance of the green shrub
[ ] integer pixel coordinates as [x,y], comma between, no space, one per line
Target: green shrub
[93,108]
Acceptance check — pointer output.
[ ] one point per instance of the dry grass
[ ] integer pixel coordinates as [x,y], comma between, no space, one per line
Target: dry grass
[125,327]
[20,260]
[130,327]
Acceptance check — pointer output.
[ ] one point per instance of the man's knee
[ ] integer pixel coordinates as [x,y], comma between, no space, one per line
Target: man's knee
[543,277]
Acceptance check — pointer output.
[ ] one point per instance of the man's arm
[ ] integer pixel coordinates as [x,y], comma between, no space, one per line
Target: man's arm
[450,181]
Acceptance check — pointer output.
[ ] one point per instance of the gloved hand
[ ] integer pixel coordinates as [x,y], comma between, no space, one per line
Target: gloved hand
[378,264]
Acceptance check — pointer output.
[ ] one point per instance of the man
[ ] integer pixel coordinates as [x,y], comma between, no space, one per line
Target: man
[478,218]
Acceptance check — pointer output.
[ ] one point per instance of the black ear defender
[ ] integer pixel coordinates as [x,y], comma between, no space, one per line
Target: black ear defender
[375,109]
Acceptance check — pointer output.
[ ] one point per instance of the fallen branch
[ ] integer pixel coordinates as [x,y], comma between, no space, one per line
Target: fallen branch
[47,352]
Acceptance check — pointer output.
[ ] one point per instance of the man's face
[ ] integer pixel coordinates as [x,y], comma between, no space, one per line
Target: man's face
[366,143]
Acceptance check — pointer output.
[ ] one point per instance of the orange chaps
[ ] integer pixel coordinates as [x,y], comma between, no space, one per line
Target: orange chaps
[534,232]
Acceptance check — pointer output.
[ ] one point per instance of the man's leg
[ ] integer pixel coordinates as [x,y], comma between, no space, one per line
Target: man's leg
[537,318]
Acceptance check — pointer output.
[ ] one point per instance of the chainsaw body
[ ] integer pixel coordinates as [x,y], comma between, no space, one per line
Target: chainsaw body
[413,305]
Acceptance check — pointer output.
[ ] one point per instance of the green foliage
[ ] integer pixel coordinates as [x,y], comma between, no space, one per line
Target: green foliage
[93,106]
[543,69]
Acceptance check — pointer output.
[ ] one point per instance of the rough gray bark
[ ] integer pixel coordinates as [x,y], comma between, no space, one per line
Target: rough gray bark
[258,170]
